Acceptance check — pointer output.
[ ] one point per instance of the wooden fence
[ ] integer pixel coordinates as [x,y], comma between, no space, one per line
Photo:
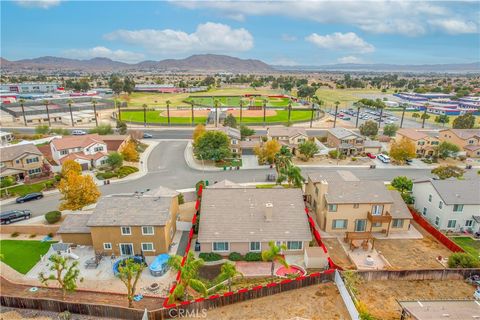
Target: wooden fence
[421,274]
[29,229]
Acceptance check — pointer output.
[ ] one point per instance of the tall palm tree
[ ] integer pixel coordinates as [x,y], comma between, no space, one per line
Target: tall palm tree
[289,111]
[404,106]
[69,102]
[229,271]
[425,116]
[336,112]
[381,106]
[292,174]
[188,276]
[144,114]
[216,104]
[94,104]
[358,105]
[46,103]
[264,110]
[168,111]
[193,113]
[283,159]
[119,110]
[22,102]
[273,254]
[319,103]
[241,109]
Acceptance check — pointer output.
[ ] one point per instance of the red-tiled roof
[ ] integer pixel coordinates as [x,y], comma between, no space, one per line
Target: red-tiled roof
[70,142]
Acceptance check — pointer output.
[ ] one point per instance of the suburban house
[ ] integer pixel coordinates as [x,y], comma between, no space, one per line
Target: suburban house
[235,137]
[450,204]
[342,203]
[467,140]
[126,224]
[5,138]
[425,141]
[21,161]
[350,143]
[253,219]
[288,136]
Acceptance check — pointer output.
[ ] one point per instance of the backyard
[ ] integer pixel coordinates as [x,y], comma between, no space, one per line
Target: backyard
[468,244]
[338,254]
[22,255]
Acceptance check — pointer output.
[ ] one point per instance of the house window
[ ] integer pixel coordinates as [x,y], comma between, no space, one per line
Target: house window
[376,224]
[457,207]
[107,246]
[339,224]
[434,143]
[468,223]
[63,152]
[356,205]
[471,141]
[437,220]
[147,246]
[429,198]
[255,246]
[332,208]
[147,231]
[440,205]
[126,231]
[294,245]
[397,223]
[234,141]
[220,246]
[32,160]
[34,171]
[377,210]
[96,149]
[424,211]
[451,224]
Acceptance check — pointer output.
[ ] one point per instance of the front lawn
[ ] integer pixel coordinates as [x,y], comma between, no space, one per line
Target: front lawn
[24,189]
[468,244]
[22,255]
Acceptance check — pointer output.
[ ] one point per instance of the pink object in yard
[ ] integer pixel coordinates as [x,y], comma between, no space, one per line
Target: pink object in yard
[283,272]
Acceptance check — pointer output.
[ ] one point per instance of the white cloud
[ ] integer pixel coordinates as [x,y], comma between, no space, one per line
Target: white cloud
[380,16]
[208,37]
[455,26]
[103,52]
[43,4]
[349,59]
[341,41]
[287,37]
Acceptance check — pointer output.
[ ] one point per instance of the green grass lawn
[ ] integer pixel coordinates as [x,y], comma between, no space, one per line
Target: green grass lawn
[234,101]
[22,255]
[347,96]
[24,189]
[408,115]
[281,116]
[468,244]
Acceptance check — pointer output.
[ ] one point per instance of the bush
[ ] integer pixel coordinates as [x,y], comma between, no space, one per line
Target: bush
[125,171]
[106,175]
[50,234]
[7,182]
[181,198]
[48,184]
[53,216]
[253,256]
[15,234]
[235,256]
[210,256]
[354,159]
[58,178]
[33,235]
[463,260]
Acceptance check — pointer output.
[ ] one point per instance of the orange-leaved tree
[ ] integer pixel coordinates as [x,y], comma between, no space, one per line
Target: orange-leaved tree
[130,152]
[402,150]
[71,166]
[77,191]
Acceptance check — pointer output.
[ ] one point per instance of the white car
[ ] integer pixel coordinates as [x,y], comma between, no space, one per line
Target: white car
[78,133]
[383,158]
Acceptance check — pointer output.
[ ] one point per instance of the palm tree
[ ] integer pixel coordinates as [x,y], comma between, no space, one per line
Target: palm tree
[283,159]
[317,101]
[292,174]
[216,104]
[193,113]
[336,112]
[404,106]
[188,276]
[264,110]
[22,102]
[46,102]
[289,111]
[381,106]
[241,109]
[424,116]
[119,110]
[168,111]
[94,104]
[273,254]
[229,271]
[144,114]
[69,102]
[358,105]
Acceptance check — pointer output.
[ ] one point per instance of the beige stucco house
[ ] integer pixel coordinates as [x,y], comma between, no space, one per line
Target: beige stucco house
[126,224]
[21,161]
[236,219]
[234,135]
[346,141]
[342,203]
[467,140]
[425,142]
[288,136]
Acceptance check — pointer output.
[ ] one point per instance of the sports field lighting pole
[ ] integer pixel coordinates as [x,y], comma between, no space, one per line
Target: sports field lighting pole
[94,103]
[404,105]
[168,111]
[145,115]
[70,101]
[289,111]
[241,109]
[22,102]
[46,102]
[358,105]
[193,114]
[336,112]
[264,111]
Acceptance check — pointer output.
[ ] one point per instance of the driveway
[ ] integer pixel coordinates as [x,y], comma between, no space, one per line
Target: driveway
[251,162]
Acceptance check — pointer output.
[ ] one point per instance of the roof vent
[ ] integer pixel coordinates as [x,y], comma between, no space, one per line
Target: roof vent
[268,211]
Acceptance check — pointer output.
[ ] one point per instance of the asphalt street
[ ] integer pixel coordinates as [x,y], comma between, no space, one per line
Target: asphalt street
[167,167]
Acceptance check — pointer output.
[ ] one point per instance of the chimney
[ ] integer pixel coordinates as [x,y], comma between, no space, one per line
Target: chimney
[268,211]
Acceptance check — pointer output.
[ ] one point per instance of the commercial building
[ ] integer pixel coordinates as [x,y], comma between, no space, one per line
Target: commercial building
[31,87]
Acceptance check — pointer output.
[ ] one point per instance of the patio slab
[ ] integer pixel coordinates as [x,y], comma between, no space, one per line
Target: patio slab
[369,259]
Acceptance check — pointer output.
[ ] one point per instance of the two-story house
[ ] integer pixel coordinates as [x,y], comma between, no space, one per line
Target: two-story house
[21,161]
[288,136]
[88,150]
[450,204]
[342,203]
[346,141]
[425,142]
[467,140]
[234,136]
[126,224]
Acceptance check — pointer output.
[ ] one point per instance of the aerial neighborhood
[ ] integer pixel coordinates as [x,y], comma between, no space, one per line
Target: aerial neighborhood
[197,173]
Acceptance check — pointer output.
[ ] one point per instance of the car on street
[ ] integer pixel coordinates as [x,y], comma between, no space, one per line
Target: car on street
[371,155]
[409,162]
[147,135]
[383,158]
[7,217]
[29,197]
[78,133]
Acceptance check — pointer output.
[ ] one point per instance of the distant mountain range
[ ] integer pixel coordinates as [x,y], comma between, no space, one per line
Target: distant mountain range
[216,63]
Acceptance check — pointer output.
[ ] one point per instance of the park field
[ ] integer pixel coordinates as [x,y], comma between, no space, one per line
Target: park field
[408,115]
[348,96]
[234,101]
[156,117]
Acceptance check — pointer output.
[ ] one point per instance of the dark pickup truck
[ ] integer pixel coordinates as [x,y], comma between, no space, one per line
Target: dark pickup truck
[7,217]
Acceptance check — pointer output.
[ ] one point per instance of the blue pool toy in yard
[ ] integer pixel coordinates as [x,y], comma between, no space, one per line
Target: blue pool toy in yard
[46,238]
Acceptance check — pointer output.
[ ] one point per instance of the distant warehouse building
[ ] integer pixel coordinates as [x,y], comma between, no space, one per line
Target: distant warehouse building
[33,87]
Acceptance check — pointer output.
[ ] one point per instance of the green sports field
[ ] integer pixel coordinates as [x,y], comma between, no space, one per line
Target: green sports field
[234,101]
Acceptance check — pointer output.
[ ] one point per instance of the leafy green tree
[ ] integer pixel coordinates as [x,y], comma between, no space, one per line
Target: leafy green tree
[445,172]
[188,276]
[116,84]
[121,127]
[212,145]
[402,150]
[229,271]
[129,272]
[369,128]
[402,184]
[66,274]
[415,115]
[308,149]
[42,129]
[466,121]
[230,121]
[115,160]
[283,159]
[447,149]
[273,254]
[463,260]
[442,119]
[390,129]
[102,129]
[246,131]
[128,85]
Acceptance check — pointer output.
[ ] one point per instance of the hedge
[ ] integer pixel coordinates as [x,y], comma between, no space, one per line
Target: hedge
[253,256]
[210,256]
[125,171]
[53,216]
[235,256]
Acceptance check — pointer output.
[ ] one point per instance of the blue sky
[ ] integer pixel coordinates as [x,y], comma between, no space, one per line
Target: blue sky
[281,32]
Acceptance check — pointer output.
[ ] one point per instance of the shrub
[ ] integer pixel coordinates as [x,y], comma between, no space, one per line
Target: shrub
[253,256]
[33,235]
[48,184]
[462,260]
[235,256]
[7,182]
[125,171]
[462,158]
[53,216]
[58,178]
[210,256]
[50,234]
[106,175]
[181,198]
[354,159]
[15,234]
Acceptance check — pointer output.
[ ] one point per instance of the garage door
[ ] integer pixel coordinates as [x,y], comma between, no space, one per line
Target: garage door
[247,152]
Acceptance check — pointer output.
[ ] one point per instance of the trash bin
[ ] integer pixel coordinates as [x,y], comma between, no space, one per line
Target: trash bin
[373,166]
[206,183]
[468,166]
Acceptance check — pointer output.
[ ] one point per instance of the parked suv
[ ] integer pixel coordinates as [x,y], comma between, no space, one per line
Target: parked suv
[383,158]
[14,215]
[78,133]
[30,196]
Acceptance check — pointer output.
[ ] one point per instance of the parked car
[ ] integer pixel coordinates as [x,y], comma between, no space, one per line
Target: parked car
[383,158]
[147,135]
[409,161]
[78,133]
[7,217]
[371,155]
[29,197]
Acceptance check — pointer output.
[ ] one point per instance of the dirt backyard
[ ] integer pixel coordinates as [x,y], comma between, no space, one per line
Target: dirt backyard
[380,297]
[337,253]
[413,254]
[315,302]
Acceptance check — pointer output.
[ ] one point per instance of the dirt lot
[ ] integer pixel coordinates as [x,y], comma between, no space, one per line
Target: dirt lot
[337,253]
[413,254]
[314,302]
[380,297]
